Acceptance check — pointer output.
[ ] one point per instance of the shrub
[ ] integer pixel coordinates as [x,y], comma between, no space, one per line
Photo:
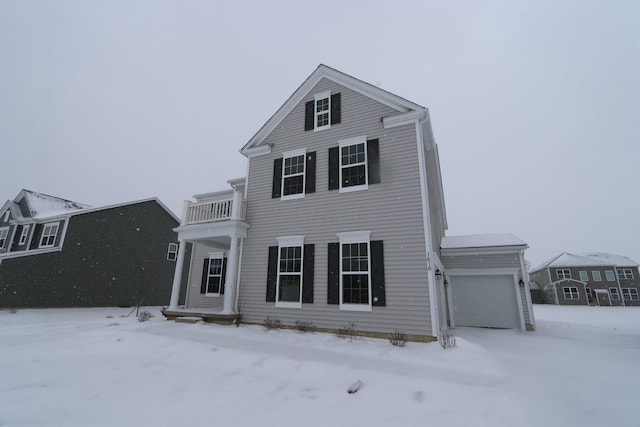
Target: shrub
[271,323]
[348,332]
[303,326]
[447,340]
[398,338]
[144,315]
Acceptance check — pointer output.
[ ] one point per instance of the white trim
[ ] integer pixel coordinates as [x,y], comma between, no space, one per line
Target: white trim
[519,302]
[582,277]
[215,255]
[527,290]
[613,275]
[257,151]
[593,274]
[49,225]
[617,293]
[175,252]
[354,236]
[401,119]
[24,234]
[348,143]
[290,242]
[318,97]
[289,154]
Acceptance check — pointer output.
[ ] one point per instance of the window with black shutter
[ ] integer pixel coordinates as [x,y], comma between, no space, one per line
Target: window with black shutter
[354,164]
[294,175]
[325,110]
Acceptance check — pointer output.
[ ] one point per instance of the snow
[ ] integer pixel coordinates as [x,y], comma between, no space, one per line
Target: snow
[43,205]
[95,367]
[567,259]
[481,241]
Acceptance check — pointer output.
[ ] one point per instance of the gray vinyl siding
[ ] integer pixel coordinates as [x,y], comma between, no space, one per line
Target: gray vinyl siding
[194,298]
[391,210]
[486,261]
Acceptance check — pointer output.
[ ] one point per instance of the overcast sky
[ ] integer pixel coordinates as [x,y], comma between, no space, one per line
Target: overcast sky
[535,105]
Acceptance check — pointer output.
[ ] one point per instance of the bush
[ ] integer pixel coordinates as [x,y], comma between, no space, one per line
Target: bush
[447,340]
[348,332]
[303,326]
[398,338]
[271,323]
[144,315]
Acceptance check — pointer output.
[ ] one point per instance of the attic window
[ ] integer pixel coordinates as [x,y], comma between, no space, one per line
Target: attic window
[6,216]
[323,111]
[4,232]
[49,235]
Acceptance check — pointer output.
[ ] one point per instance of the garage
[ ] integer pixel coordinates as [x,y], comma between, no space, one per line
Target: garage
[485,301]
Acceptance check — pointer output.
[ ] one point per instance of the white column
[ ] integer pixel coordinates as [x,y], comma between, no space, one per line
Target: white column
[177,276]
[230,278]
[236,205]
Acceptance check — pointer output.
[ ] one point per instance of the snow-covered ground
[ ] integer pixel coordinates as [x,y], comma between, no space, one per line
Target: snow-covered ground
[93,367]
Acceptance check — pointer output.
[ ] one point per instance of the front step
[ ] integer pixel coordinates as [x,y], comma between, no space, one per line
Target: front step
[189,319]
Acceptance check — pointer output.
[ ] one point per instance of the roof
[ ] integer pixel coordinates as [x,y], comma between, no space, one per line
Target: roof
[324,72]
[482,241]
[567,259]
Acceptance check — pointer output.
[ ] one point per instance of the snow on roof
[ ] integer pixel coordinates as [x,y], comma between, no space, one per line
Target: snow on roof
[42,205]
[567,259]
[481,241]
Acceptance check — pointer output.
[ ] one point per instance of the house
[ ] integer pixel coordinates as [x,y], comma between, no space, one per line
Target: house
[588,279]
[338,222]
[59,253]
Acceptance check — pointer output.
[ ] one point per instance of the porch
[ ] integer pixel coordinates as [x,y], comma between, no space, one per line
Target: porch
[204,314]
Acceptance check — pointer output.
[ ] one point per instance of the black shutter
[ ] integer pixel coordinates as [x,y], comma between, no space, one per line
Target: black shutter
[309,115]
[333,282]
[336,110]
[373,157]
[310,178]
[272,274]
[205,276]
[334,168]
[277,178]
[377,274]
[307,274]
[223,276]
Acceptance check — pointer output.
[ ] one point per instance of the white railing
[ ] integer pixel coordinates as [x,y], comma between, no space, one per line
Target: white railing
[213,211]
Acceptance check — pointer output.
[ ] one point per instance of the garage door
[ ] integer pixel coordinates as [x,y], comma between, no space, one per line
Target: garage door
[487,301]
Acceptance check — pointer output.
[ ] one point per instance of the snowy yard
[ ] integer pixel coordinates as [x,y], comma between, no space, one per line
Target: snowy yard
[92,367]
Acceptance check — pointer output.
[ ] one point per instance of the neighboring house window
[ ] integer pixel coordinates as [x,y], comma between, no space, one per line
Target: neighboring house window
[584,276]
[354,164]
[4,233]
[294,175]
[596,276]
[24,235]
[563,274]
[630,294]
[589,293]
[610,276]
[213,274]
[49,235]
[570,292]
[290,272]
[325,110]
[172,252]
[614,294]
[356,272]
[625,273]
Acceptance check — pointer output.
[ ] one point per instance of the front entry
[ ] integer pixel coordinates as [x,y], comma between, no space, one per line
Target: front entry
[602,297]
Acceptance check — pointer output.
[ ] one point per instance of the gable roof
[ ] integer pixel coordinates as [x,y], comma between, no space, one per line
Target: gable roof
[40,205]
[324,72]
[567,259]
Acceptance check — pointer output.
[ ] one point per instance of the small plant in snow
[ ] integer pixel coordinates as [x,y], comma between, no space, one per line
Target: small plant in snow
[271,323]
[303,326]
[349,332]
[398,338]
[13,311]
[447,340]
[144,315]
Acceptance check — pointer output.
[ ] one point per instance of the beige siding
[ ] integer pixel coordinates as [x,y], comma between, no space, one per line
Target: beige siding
[194,298]
[391,210]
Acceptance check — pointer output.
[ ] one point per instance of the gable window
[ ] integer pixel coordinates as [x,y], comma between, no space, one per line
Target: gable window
[172,251]
[294,174]
[290,272]
[354,164]
[570,292]
[584,276]
[563,273]
[630,294]
[596,276]
[610,276]
[615,296]
[625,273]
[4,233]
[49,233]
[325,110]
[213,274]
[23,235]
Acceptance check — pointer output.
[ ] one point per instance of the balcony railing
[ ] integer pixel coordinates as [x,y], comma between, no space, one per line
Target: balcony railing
[214,211]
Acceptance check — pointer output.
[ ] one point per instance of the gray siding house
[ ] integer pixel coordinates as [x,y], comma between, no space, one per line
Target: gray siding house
[588,279]
[59,253]
[339,220]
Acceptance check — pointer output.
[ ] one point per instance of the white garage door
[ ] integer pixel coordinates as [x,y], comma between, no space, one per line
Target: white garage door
[487,301]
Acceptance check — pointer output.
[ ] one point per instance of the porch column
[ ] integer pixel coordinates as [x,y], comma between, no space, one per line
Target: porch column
[230,278]
[177,276]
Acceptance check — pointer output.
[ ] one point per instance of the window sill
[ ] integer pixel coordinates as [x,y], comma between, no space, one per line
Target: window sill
[355,307]
[288,304]
[354,188]
[318,129]
[212,295]
[293,196]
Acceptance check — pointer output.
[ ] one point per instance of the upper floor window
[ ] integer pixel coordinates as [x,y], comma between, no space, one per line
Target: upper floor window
[4,234]
[570,292]
[596,276]
[354,164]
[584,276]
[625,273]
[294,174]
[172,251]
[325,110]
[610,276]
[23,235]
[563,273]
[49,234]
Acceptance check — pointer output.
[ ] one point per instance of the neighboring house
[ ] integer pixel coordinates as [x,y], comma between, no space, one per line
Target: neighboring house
[588,279]
[338,222]
[59,253]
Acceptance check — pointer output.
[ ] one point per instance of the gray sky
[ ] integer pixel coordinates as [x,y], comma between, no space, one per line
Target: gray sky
[535,105]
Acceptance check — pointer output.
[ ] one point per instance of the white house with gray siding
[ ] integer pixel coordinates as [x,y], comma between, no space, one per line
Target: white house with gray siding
[338,222]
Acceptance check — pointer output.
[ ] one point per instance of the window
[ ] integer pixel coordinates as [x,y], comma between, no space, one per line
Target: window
[625,273]
[24,235]
[354,164]
[213,274]
[614,294]
[49,235]
[172,252]
[630,294]
[610,276]
[6,215]
[570,292]
[589,293]
[597,277]
[323,111]
[563,274]
[290,272]
[294,175]
[584,276]
[4,233]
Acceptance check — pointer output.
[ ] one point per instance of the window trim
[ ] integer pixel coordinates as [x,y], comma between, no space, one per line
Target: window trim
[351,237]
[625,273]
[569,290]
[589,293]
[562,276]
[631,297]
[319,97]
[6,236]
[613,291]
[347,143]
[46,226]
[289,154]
[597,278]
[290,242]
[610,275]
[220,256]
[24,234]
[584,275]
[170,251]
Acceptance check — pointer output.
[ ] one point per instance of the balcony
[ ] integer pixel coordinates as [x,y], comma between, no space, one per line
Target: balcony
[233,208]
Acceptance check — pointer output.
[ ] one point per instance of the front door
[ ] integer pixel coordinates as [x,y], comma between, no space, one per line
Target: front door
[602,297]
